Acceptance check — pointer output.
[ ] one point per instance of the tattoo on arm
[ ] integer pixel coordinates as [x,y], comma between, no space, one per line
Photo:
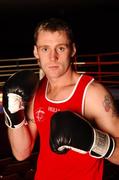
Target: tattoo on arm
[109,105]
[30,120]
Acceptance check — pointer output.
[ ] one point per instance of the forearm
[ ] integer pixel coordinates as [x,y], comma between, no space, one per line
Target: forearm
[17,96]
[115,156]
[21,142]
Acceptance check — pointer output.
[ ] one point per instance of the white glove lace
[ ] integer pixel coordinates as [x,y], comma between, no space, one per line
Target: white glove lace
[15,102]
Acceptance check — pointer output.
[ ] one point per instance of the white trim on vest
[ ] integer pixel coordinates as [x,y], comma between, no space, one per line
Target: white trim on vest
[84,95]
[64,100]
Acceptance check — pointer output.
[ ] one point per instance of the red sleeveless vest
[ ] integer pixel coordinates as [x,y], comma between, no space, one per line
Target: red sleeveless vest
[72,165]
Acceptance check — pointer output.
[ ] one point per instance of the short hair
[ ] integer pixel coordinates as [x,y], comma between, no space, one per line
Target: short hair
[54,24]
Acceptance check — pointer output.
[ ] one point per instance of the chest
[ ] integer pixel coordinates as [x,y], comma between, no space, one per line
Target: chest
[59,94]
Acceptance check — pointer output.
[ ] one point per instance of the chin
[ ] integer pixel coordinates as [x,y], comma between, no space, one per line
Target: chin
[55,76]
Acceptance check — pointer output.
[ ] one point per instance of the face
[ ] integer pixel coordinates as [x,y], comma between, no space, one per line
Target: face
[54,52]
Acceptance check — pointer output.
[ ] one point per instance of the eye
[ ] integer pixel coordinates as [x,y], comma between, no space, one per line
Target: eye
[44,49]
[61,49]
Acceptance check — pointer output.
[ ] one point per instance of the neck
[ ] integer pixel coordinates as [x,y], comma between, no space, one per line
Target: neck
[65,80]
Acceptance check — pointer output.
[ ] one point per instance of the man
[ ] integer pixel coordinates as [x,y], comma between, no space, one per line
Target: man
[61,90]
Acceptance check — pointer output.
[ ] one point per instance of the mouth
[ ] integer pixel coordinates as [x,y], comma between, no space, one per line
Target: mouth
[53,67]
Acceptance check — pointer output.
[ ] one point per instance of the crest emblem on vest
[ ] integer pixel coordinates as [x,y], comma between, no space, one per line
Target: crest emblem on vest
[40,114]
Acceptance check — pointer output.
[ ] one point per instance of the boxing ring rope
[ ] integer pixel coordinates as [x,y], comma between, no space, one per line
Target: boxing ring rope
[10,66]
[104,67]
[92,64]
[107,65]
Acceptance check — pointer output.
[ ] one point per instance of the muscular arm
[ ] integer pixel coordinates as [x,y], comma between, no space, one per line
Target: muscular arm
[22,139]
[99,106]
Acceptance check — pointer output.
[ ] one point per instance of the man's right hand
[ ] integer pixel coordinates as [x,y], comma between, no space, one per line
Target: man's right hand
[17,91]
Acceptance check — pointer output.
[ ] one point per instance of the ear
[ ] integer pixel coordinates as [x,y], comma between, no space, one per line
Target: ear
[35,52]
[73,50]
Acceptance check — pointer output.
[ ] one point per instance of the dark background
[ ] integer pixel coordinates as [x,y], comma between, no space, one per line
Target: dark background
[95,24]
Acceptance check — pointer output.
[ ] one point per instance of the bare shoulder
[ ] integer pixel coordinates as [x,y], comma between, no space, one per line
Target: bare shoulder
[100,106]
[97,94]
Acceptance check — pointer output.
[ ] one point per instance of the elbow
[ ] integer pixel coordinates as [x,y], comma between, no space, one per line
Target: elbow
[21,156]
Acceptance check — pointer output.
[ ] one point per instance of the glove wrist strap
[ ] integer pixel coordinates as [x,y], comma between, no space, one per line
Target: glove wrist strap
[15,122]
[16,126]
[103,145]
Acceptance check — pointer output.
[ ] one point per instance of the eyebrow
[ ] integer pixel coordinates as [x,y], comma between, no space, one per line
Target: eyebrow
[61,44]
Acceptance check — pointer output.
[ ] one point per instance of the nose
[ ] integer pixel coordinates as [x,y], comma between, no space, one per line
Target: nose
[53,55]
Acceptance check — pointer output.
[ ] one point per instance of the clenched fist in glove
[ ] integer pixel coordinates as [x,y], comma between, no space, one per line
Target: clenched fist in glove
[71,131]
[17,91]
